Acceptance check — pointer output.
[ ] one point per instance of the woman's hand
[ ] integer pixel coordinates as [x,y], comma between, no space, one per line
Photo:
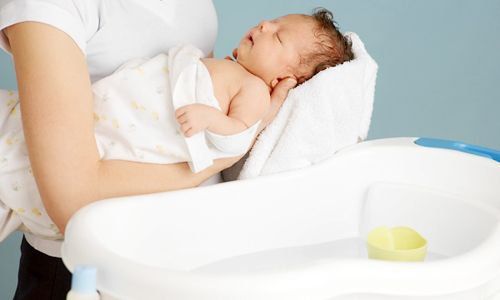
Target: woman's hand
[278,96]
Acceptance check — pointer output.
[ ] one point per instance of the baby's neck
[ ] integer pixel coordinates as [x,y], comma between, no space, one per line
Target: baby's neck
[250,73]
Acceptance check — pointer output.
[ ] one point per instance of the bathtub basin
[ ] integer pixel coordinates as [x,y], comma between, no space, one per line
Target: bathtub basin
[301,234]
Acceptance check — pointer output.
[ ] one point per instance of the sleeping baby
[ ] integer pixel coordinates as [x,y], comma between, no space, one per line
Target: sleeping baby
[177,107]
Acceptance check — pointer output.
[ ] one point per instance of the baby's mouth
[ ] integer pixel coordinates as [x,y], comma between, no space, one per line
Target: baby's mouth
[250,38]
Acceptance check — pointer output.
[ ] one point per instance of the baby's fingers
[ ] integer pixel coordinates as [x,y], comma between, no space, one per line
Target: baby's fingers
[181,110]
[190,132]
[185,127]
[182,119]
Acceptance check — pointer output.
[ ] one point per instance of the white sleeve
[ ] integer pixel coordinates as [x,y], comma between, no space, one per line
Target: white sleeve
[78,19]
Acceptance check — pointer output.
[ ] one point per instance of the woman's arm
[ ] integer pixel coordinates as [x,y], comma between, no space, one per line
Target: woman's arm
[57,112]
[278,96]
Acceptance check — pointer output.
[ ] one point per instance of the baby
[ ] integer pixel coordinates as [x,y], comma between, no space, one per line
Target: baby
[292,46]
[140,109]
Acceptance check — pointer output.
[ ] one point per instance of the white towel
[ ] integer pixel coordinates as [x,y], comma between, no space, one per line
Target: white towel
[191,83]
[328,112]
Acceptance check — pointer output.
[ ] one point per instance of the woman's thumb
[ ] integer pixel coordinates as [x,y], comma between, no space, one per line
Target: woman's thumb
[281,90]
[289,83]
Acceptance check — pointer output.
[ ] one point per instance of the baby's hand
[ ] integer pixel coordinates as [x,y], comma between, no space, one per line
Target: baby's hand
[193,118]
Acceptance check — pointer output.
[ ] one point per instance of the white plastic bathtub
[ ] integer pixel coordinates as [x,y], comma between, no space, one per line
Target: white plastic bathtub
[300,234]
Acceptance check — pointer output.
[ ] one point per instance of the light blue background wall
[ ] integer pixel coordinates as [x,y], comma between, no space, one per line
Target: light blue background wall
[439,69]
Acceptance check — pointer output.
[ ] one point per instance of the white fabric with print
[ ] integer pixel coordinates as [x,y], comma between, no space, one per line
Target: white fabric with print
[134,116]
[20,201]
[135,112]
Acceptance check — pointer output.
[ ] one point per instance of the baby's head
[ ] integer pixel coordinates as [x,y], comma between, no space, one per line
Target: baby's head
[297,46]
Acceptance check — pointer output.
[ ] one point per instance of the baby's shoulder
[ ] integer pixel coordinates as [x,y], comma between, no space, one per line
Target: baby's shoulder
[233,75]
[253,92]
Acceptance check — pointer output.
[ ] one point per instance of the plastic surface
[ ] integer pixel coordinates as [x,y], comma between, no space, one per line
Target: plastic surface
[301,235]
[72,295]
[398,243]
[459,146]
[83,284]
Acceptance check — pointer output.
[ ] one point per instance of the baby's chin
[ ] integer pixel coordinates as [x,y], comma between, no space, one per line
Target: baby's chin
[235,53]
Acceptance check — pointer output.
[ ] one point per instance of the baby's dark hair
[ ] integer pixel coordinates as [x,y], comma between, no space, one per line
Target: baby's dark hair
[332,47]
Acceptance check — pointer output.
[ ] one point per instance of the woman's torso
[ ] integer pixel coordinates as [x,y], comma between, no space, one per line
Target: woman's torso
[111,32]
[129,29]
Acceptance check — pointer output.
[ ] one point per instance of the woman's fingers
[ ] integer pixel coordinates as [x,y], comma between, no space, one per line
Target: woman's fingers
[281,90]
[278,96]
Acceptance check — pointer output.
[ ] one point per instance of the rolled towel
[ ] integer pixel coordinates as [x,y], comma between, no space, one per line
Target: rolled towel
[330,111]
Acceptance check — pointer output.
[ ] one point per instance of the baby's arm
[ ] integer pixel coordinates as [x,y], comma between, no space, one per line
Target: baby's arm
[246,108]
[194,118]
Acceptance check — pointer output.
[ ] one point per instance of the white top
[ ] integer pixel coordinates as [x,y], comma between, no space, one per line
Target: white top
[111,32]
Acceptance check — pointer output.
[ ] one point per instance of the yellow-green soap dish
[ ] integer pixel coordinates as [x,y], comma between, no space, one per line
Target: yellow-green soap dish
[398,244]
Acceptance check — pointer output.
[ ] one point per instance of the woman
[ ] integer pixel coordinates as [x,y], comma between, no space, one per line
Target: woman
[59,48]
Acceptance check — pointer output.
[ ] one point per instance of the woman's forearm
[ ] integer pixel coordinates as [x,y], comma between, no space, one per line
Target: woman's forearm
[123,178]
[57,115]
[115,178]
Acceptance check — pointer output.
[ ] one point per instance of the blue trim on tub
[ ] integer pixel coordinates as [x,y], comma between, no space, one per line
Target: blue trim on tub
[459,146]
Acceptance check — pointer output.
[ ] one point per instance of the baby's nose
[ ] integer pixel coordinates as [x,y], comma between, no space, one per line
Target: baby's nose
[265,26]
